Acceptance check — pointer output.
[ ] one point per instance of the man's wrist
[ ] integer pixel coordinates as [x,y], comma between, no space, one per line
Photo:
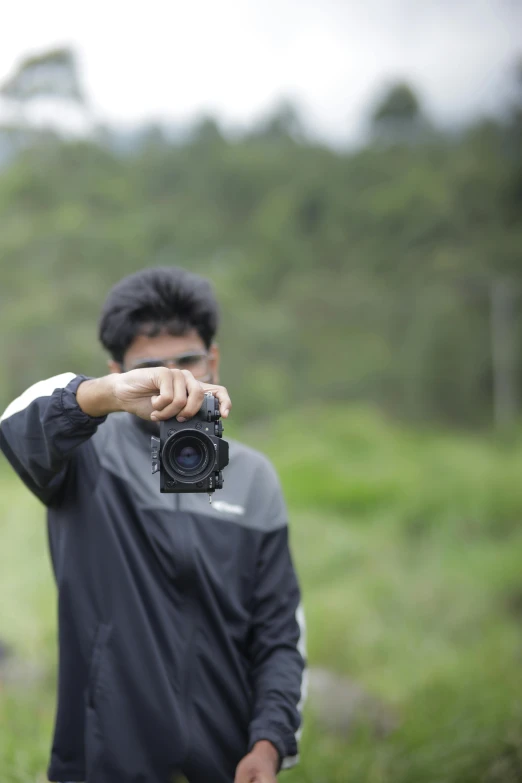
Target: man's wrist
[267,751]
[96,396]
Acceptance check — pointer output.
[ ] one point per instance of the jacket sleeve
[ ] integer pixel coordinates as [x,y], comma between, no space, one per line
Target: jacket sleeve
[278,642]
[40,430]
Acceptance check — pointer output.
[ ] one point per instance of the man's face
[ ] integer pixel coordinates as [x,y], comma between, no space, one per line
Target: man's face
[187,352]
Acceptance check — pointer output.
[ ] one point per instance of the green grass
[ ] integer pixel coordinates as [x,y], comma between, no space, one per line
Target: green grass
[409,549]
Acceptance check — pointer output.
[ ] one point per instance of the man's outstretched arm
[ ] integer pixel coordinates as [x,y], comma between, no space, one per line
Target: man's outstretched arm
[40,430]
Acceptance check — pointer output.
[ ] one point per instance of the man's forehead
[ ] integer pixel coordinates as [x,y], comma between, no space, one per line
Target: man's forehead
[164,344]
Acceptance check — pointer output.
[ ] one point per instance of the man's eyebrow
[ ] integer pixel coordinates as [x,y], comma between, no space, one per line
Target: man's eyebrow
[171,355]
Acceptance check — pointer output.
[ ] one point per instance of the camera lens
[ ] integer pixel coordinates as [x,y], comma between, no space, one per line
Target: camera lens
[186,457]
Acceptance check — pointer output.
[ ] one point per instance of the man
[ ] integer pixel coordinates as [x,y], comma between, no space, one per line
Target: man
[181,637]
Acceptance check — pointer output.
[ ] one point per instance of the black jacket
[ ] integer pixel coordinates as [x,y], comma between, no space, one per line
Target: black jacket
[181,634]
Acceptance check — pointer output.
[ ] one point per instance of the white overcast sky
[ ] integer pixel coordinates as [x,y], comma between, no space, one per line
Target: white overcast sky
[173,60]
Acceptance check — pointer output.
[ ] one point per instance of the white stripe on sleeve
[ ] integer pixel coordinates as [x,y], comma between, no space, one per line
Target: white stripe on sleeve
[291,761]
[40,389]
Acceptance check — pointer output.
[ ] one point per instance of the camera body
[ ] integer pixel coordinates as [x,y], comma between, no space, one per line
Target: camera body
[190,455]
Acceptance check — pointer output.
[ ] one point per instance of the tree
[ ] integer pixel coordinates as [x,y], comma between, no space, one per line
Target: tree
[53,74]
[398,116]
[206,132]
[51,77]
[283,123]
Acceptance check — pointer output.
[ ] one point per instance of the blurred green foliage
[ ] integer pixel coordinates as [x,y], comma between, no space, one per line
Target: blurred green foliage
[360,275]
[408,551]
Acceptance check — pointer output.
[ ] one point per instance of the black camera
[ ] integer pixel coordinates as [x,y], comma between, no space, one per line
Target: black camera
[190,455]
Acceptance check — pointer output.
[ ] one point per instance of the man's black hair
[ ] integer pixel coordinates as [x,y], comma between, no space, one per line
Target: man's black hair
[161,299]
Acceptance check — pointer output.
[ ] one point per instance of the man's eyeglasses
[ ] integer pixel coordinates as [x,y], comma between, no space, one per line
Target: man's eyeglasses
[195,361]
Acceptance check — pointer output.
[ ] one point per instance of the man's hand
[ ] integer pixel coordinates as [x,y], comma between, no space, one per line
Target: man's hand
[155,394]
[260,766]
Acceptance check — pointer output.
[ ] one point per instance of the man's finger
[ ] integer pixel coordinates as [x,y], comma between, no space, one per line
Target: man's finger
[195,395]
[222,395]
[179,397]
[245,772]
[244,776]
[163,380]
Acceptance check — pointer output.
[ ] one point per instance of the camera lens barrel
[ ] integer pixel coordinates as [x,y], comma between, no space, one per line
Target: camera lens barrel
[189,456]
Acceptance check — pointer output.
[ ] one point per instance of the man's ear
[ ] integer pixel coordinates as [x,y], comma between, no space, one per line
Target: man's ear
[214,358]
[113,366]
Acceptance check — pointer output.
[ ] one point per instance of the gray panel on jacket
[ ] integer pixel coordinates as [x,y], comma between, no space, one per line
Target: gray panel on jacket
[251,496]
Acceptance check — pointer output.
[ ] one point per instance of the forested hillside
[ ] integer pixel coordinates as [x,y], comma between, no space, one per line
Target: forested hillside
[370,274]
